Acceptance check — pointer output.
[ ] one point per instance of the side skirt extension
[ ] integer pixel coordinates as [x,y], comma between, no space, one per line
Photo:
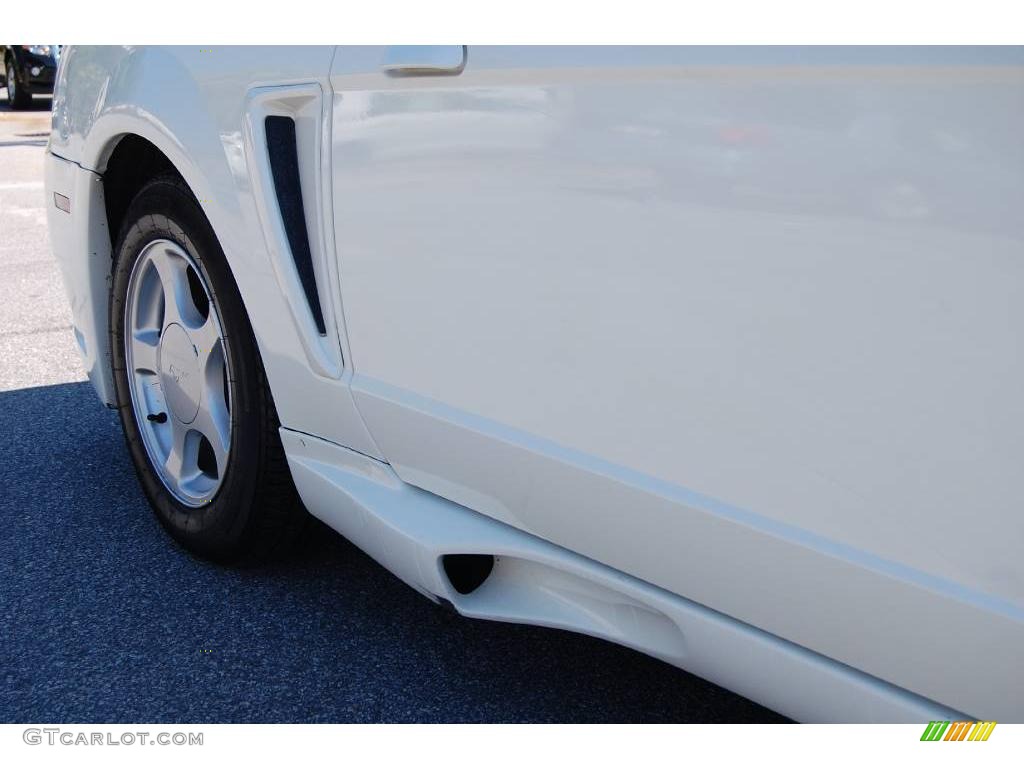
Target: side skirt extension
[488,570]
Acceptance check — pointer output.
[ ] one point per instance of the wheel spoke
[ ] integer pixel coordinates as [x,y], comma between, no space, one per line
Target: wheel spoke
[182,460]
[213,423]
[208,341]
[174,282]
[175,462]
[144,350]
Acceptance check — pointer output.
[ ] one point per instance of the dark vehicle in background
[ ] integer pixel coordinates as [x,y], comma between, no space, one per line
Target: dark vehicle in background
[28,69]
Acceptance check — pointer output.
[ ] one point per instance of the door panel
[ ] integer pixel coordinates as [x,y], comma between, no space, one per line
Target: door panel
[741,322]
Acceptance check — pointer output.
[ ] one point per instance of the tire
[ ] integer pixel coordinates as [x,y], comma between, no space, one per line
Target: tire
[254,512]
[18,94]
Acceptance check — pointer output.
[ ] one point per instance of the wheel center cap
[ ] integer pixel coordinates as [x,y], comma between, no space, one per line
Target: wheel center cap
[179,373]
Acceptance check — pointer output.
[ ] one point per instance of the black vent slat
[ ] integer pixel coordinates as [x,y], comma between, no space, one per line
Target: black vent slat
[284,165]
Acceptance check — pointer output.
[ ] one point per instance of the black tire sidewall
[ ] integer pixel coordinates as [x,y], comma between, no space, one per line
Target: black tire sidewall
[165,210]
[23,96]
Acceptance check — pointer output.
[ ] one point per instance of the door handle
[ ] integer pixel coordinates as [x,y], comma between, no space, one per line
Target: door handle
[423,60]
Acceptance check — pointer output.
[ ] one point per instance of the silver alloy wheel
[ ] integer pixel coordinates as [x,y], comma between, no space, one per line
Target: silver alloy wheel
[177,368]
[11,84]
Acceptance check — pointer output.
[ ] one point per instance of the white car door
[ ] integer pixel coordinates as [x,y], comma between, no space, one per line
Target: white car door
[741,322]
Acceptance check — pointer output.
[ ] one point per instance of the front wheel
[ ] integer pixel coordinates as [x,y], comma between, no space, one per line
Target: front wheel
[196,410]
[18,94]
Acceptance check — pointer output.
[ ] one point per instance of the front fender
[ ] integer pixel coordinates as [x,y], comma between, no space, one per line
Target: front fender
[191,104]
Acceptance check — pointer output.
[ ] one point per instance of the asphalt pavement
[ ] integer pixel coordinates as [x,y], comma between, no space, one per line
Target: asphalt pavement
[104,619]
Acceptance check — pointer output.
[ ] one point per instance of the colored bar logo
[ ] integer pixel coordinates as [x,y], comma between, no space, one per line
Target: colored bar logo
[938,730]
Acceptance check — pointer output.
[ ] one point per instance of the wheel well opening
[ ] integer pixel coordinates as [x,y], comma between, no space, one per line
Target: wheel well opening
[133,162]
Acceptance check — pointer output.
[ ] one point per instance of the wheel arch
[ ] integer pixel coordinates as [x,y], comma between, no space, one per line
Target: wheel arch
[124,158]
[132,162]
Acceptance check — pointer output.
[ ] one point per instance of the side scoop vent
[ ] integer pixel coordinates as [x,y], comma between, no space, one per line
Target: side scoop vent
[467,572]
[284,167]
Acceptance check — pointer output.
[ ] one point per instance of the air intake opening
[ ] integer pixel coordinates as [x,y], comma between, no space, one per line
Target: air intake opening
[467,572]
[284,166]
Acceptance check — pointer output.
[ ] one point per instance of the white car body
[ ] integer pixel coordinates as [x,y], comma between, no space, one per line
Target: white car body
[716,350]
